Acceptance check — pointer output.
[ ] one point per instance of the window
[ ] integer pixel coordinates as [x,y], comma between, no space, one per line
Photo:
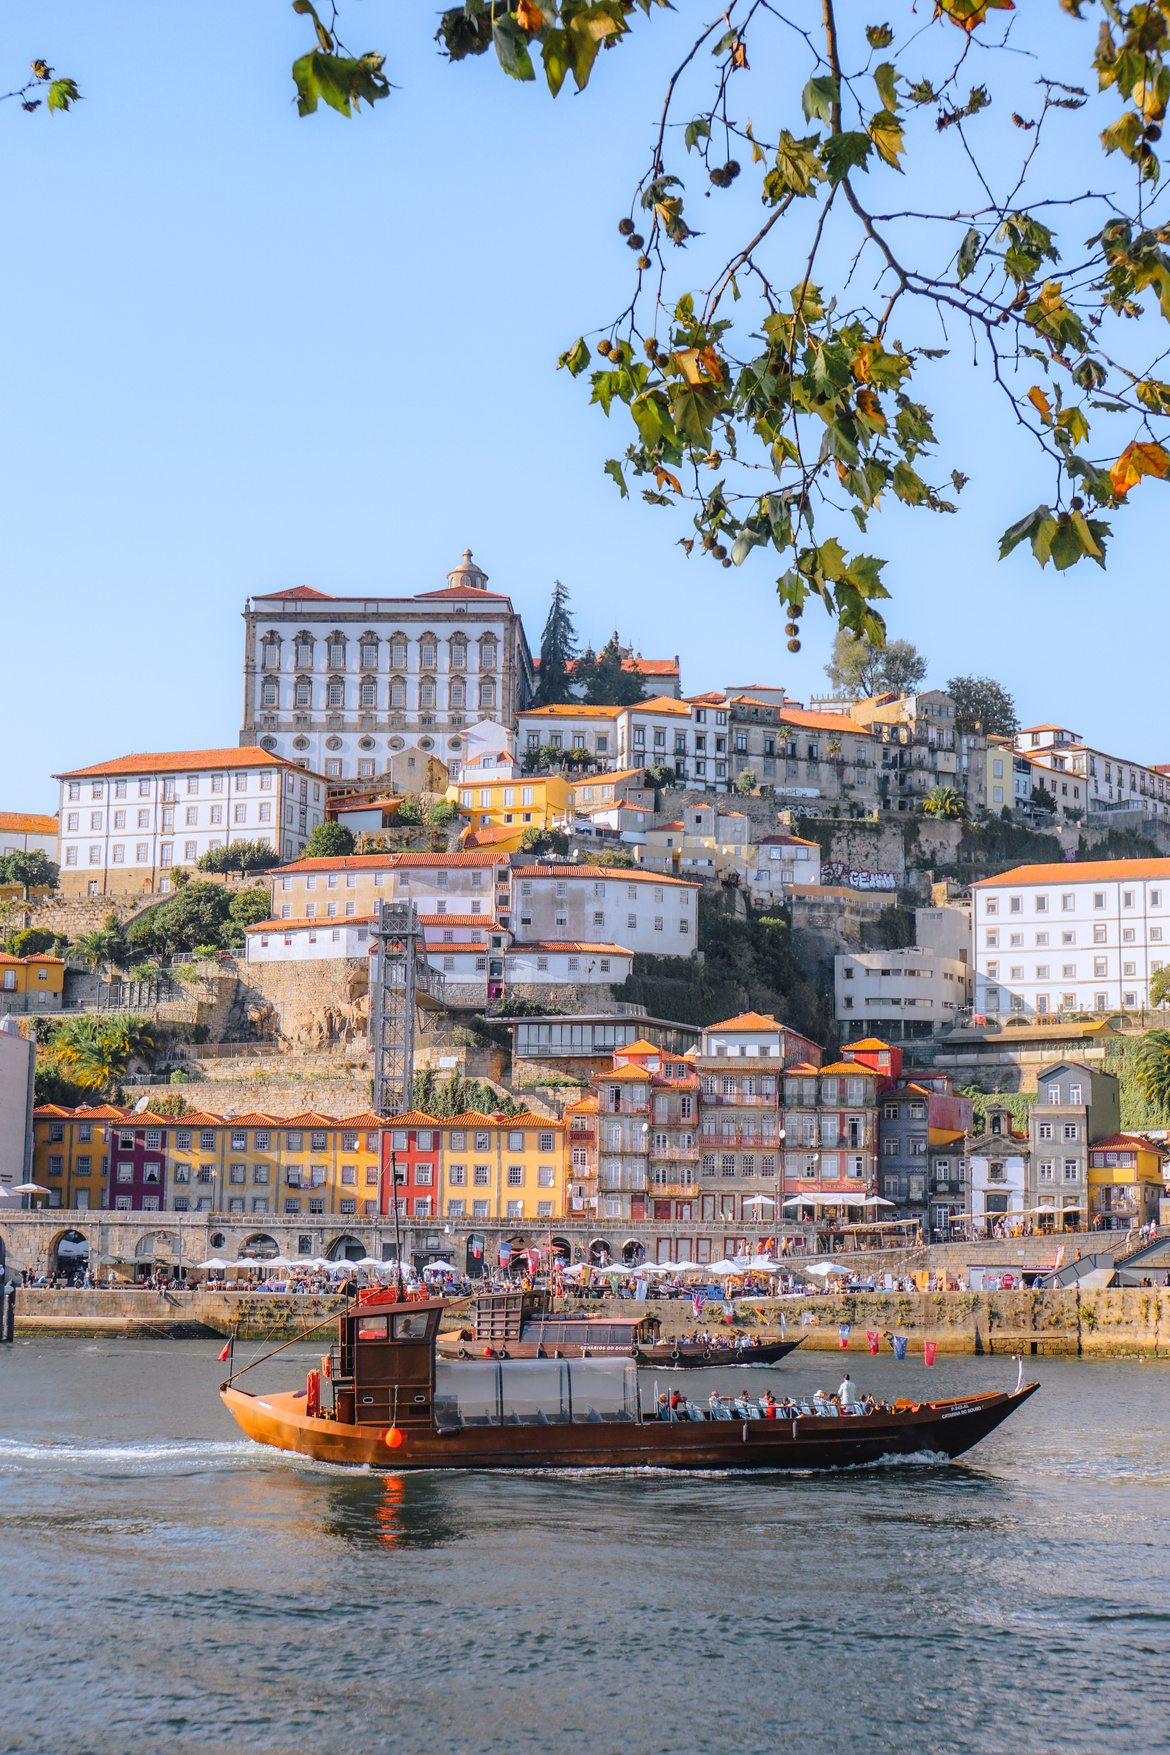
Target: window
[1068,902]
[1015,904]
[1098,898]
[1041,904]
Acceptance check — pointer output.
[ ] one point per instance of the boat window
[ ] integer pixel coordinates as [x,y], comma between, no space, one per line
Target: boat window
[490,1392]
[410,1328]
[372,1328]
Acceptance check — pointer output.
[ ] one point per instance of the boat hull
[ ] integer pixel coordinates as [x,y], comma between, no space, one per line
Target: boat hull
[810,1442]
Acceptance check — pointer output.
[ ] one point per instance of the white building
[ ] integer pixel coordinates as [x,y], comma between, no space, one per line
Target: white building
[591,904]
[1083,779]
[25,832]
[902,993]
[1083,937]
[296,941]
[535,964]
[352,684]
[125,824]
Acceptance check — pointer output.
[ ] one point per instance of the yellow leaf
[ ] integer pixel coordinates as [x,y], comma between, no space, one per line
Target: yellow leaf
[710,359]
[1041,403]
[968,14]
[869,406]
[663,476]
[528,16]
[739,57]
[1088,541]
[687,361]
[1135,461]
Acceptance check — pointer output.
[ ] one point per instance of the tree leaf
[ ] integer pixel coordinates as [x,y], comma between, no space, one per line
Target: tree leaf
[818,98]
[878,36]
[576,358]
[885,130]
[613,468]
[885,78]
[1026,527]
[798,169]
[512,47]
[1041,403]
[62,93]
[969,252]
[340,81]
[556,56]
[842,153]
[699,129]
[1136,460]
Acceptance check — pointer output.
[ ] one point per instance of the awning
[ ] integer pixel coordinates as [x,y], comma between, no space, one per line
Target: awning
[944,1136]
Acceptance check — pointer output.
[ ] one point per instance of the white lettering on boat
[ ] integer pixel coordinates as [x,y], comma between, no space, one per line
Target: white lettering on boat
[951,1413]
[267,1405]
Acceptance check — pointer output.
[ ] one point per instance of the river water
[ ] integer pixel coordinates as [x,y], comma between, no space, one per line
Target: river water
[169,1586]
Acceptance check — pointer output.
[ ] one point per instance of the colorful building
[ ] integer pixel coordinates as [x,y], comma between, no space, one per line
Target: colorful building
[1126,1173]
[538,801]
[476,1166]
[31,984]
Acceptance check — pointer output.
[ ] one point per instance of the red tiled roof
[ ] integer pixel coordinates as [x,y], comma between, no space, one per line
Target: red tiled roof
[14,822]
[180,762]
[5,958]
[1086,870]
[641,1046]
[468,591]
[388,862]
[364,1120]
[661,704]
[568,944]
[747,1021]
[317,920]
[804,1066]
[484,920]
[410,1118]
[570,710]
[493,833]
[302,593]
[1132,1142]
[870,1043]
[848,1066]
[619,873]
[785,841]
[810,721]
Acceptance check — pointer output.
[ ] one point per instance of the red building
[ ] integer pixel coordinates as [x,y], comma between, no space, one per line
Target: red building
[138,1160]
[410,1160]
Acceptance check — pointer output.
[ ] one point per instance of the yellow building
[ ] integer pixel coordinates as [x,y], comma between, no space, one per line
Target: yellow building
[31,984]
[537,801]
[502,1167]
[1125,1180]
[71,1153]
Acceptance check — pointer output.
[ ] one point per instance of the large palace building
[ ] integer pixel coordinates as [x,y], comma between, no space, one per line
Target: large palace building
[365,686]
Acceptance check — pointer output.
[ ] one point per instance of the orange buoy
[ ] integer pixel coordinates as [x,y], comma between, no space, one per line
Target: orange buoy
[487,1352]
[392,1436]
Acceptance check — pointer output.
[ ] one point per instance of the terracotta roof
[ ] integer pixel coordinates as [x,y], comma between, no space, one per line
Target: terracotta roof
[493,833]
[802,1066]
[1133,1142]
[364,1120]
[569,944]
[619,873]
[678,824]
[848,1066]
[661,704]
[646,666]
[457,920]
[707,700]
[16,822]
[747,1021]
[608,775]
[180,762]
[411,1118]
[317,920]
[252,1119]
[870,1043]
[387,862]
[203,1118]
[468,591]
[302,593]
[570,710]
[309,1118]
[584,1103]
[637,1074]
[785,841]
[1024,729]
[1084,870]
[41,958]
[810,721]
[641,1046]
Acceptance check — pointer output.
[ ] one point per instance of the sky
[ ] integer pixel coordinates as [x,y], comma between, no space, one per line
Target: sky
[243,351]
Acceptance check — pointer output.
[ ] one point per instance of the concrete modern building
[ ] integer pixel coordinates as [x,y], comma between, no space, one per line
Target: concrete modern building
[1083,937]
[17,1065]
[902,994]
[355,685]
[126,823]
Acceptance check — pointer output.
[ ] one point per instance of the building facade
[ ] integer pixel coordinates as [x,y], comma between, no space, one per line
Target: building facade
[26,832]
[903,993]
[1083,937]
[1076,1106]
[126,824]
[922,749]
[995,1172]
[923,1126]
[1126,1178]
[31,984]
[350,684]
[1082,780]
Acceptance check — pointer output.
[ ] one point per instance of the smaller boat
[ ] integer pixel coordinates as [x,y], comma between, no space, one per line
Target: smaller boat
[524,1325]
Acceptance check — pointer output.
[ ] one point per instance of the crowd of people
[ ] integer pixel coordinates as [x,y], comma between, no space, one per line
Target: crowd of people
[846,1400]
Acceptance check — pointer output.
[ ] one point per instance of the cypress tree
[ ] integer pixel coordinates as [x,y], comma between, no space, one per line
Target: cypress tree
[558,646]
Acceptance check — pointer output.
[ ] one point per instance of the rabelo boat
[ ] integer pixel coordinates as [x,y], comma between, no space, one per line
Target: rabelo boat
[396,1406]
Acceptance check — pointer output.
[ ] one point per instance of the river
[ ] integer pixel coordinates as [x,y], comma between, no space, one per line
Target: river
[169,1586]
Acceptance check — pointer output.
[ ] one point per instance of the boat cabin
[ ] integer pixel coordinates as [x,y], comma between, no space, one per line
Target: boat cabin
[525,1322]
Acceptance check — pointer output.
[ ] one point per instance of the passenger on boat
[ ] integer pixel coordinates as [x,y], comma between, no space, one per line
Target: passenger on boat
[768,1405]
[847,1394]
[820,1402]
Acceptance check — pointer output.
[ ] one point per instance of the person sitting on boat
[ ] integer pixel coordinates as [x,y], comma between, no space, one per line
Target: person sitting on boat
[768,1405]
[820,1402]
[847,1394]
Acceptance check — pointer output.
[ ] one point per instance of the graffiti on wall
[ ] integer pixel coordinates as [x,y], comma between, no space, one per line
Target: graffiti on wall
[837,872]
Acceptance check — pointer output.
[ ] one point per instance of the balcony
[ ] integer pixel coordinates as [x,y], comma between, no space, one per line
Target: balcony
[742,1101]
[582,1136]
[674,1154]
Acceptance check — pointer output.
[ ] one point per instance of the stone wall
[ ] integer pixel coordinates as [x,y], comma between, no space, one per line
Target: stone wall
[311,1004]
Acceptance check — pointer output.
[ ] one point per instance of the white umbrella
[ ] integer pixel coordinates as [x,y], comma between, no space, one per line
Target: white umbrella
[28,1188]
[874,1200]
[720,1268]
[212,1262]
[818,1267]
[760,1200]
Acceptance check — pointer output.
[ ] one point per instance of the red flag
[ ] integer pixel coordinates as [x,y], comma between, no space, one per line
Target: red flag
[929,1348]
[872,1339]
[225,1353]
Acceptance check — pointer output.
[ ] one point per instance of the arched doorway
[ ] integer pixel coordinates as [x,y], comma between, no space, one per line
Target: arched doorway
[562,1250]
[69,1255]
[155,1249]
[260,1246]
[600,1252]
[632,1252]
[346,1249]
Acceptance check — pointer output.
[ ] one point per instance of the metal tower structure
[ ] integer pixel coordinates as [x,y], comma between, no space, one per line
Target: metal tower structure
[403,981]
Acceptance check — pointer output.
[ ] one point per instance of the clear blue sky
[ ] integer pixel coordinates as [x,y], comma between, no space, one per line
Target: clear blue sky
[243,351]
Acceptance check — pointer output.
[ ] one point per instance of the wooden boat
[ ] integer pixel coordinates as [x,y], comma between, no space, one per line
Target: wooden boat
[394,1406]
[524,1325]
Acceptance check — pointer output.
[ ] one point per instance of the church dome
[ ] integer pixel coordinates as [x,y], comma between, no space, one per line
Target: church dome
[467,576]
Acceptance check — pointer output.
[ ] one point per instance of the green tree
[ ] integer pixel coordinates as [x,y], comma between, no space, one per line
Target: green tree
[611,685]
[1041,799]
[197,916]
[944,801]
[861,667]
[30,942]
[32,870]
[408,815]
[105,944]
[745,781]
[1160,986]
[585,672]
[330,841]
[239,856]
[441,813]
[1152,1066]
[248,908]
[558,647]
[660,777]
[94,1052]
[981,704]
[541,841]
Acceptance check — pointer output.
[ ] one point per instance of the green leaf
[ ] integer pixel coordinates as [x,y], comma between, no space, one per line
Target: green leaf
[62,93]
[885,130]
[1124,135]
[1025,528]
[340,81]
[324,37]
[922,93]
[878,36]
[909,485]
[512,47]
[699,129]
[885,78]
[842,153]
[798,168]
[969,252]
[750,537]
[576,358]
[818,98]
[693,411]
[614,469]
[556,54]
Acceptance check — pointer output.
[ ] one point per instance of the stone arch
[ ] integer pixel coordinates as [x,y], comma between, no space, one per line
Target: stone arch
[71,1259]
[346,1247]
[562,1246]
[259,1245]
[633,1252]
[599,1247]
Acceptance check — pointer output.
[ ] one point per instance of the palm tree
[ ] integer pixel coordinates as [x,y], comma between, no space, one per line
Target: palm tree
[1152,1065]
[944,801]
[95,1052]
[103,945]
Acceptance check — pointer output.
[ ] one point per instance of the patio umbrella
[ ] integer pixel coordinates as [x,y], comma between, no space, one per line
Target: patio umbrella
[212,1262]
[819,1267]
[719,1269]
[873,1200]
[28,1188]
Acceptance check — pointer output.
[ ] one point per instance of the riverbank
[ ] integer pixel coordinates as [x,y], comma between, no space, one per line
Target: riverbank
[1128,1322]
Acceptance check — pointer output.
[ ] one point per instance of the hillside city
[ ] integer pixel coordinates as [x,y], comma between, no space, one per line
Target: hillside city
[702,973]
